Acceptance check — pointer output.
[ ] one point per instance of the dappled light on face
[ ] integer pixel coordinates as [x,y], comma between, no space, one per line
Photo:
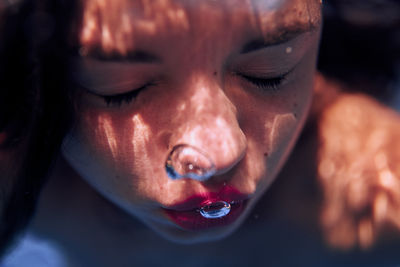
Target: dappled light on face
[277,16]
[121,26]
[207,121]
[281,131]
[359,171]
[106,127]
[165,12]
[111,25]
[140,137]
[106,23]
[141,130]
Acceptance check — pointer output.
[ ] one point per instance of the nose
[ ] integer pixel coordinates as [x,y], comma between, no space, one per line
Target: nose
[209,140]
[186,161]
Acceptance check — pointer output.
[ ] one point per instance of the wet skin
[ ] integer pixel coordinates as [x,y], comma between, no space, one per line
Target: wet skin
[233,78]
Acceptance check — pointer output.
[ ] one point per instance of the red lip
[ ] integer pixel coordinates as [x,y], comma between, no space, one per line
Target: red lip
[186,214]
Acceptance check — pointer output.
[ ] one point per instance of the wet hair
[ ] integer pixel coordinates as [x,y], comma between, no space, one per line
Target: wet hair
[34,106]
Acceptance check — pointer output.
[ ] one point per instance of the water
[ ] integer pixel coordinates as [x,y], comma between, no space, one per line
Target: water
[215,210]
[185,161]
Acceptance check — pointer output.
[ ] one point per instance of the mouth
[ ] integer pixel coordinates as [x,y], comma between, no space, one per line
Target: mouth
[187,214]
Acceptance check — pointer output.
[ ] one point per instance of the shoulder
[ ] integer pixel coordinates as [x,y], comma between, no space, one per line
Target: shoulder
[35,252]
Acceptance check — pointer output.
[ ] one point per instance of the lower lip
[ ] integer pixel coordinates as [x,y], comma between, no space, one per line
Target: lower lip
[187,214]
[192,220]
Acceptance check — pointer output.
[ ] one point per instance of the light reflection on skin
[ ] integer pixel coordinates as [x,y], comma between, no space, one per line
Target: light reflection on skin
[106,128]
[197,99]
[108,23]
[282,127]
[209,109]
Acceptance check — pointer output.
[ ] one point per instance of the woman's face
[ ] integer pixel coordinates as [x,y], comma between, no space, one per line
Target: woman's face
[232,78]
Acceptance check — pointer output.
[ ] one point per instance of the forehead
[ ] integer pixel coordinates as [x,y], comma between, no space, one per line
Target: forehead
[118,25]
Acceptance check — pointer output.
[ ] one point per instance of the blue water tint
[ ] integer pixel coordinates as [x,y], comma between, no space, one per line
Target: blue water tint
[215,210]
[34,252]
[185,161]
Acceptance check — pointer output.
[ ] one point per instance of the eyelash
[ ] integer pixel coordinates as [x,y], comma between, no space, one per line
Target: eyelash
[265,84]
[128,97]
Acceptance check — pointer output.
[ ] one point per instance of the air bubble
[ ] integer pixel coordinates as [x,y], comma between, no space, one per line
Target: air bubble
[185,161]
[215,210]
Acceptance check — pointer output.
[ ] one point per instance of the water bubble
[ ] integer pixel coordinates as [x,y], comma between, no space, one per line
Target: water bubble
[215,210]
[186,161]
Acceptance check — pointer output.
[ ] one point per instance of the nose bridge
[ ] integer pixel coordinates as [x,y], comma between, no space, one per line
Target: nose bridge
[210,124]
[207,101]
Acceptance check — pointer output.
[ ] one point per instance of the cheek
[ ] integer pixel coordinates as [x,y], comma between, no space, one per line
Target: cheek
[280,135]
[111,151]
[281,132]
[273,122]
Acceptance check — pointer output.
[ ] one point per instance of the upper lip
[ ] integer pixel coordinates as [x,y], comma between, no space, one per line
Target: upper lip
[228,194]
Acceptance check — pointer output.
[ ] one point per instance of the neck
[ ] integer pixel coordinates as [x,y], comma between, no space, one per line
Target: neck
[72,214]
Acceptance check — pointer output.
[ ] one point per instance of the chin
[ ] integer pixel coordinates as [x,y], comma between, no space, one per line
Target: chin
[180,236]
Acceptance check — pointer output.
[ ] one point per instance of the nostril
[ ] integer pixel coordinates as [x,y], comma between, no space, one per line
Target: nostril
[186,161]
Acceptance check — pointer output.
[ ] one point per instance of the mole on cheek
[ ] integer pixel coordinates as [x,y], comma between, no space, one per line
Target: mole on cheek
[282,130]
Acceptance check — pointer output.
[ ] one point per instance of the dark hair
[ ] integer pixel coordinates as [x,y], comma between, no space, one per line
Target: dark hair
[34,104]
[360,44]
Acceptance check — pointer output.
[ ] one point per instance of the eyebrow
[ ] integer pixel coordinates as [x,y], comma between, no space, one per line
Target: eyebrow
[279,36]
[136,56]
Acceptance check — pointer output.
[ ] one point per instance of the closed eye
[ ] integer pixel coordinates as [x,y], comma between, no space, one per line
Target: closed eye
[265,83]
[128,97]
